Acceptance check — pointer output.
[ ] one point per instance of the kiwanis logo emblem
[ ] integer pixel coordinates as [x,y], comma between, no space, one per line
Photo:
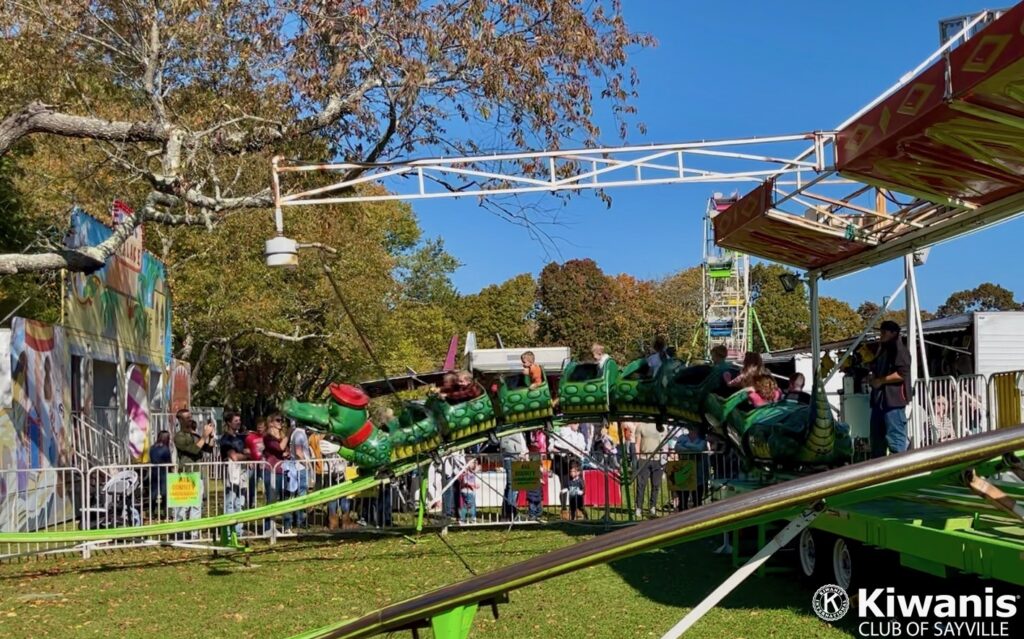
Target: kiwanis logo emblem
[830,602]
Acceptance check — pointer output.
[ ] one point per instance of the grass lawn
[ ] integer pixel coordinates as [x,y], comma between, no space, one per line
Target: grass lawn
[299,585]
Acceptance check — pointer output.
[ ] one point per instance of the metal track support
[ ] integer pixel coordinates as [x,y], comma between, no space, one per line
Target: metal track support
[992,494]
[792,529]
[454,623]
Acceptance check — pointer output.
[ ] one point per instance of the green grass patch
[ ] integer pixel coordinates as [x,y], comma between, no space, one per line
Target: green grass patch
[299,585]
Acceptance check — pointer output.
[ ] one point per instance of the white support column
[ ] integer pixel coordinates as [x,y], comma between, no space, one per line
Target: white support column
[812,284]
[928,400]
[704,284]
[792,529]
[912,328]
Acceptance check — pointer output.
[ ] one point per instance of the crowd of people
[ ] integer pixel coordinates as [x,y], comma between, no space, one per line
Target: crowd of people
[271,457]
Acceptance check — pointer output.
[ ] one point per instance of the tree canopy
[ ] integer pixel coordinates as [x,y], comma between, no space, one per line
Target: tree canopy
[574,304]
[984,297]
[507,309]
[178,108]
[183,104]
[786,318]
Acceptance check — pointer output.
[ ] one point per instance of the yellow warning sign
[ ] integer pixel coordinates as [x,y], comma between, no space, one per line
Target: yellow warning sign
[184,490]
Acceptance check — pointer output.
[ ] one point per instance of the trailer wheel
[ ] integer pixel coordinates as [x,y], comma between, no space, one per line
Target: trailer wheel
[844,560]
[809,547]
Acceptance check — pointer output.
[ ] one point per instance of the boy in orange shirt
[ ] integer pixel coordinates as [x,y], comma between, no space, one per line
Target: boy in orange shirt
[531,370]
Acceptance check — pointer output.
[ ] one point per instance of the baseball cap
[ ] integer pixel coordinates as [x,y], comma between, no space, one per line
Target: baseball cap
[889,325]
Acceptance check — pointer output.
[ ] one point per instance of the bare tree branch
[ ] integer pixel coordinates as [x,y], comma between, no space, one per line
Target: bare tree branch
[37,117]
[227,341]
[337,106]
[85,259]
[153,76]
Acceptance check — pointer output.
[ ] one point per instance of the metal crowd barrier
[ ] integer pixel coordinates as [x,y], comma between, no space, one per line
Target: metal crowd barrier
[116,495]
[952,407]
[39,499]
[1006,398]
[119,495]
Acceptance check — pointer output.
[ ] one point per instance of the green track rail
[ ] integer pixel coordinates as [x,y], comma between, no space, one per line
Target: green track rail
[448,607]
[270,510]
[175,527]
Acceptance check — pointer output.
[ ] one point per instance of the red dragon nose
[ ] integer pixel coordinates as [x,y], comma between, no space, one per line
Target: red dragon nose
[348,395]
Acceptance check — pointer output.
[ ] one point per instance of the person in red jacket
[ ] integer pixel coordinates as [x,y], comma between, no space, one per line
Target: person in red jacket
[465,389]
[254,442]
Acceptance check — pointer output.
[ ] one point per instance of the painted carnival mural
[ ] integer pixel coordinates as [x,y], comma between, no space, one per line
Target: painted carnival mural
[113,351]
[35,429]
[121,314]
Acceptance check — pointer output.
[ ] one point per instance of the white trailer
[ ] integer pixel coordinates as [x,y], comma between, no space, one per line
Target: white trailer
[998,342]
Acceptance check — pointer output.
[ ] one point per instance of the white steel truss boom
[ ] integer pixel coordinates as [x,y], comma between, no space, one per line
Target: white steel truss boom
[714,161]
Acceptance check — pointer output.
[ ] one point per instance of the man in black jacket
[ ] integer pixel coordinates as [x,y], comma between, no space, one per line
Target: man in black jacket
[890,383]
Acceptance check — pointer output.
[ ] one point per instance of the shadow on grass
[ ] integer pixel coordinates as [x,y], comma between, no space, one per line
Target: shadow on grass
[301,549]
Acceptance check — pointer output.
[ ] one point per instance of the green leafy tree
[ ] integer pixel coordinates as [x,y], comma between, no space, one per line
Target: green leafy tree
[838,320]
[507,309]
[35,295]
[425,272]
[574,301]
[785,317]
[984,297]
[679,299]
[260,335]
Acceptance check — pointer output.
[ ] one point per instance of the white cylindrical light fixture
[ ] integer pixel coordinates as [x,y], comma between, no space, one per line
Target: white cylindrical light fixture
[281,251]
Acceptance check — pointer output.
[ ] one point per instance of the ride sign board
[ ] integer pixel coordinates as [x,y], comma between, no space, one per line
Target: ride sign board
[525,475]
[682,475]
[184,490]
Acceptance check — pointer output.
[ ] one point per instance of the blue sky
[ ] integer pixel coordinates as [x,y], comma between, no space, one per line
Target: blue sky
[727,69]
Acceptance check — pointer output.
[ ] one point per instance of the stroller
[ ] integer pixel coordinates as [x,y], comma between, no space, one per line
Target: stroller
[117,503]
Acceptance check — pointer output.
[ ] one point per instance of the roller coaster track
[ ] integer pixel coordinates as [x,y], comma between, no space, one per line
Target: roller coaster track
[452,607]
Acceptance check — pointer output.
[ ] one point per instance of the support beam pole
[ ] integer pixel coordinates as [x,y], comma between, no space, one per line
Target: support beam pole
[812,284]
[993,494]
[794,528]
[912,328]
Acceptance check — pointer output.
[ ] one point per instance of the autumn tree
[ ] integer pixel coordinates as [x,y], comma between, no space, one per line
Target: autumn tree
[867,311]
[505,309]
[183,104]
[574,305]
[984,297]
[263,334]
[785,317]
[643,309]
[838,320]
